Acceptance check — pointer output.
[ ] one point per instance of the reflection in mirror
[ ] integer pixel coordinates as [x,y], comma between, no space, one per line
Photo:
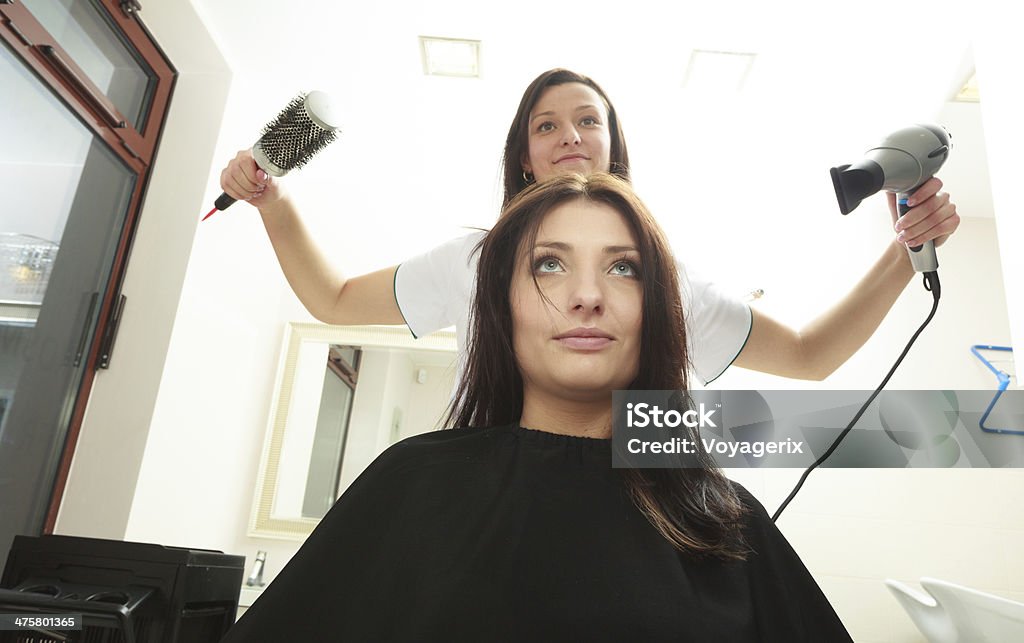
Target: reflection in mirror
[343,395]
[340,380]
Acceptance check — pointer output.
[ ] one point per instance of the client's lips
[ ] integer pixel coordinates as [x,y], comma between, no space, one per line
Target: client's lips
[585,338]
[572,157]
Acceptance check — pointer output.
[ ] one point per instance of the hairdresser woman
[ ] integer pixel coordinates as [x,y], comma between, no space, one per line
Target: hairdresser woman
[566,124]
[514,527]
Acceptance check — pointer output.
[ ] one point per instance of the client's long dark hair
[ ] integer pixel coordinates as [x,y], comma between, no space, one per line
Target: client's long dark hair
[696,509]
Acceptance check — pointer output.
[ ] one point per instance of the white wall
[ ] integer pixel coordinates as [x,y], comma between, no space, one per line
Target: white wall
[1000,56]
[428,400]
[170,447]
[381,388]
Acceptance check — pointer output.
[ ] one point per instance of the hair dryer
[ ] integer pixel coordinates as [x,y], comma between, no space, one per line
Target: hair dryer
[900,163]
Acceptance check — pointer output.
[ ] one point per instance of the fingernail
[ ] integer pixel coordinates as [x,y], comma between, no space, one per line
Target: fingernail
[261,175]
[911,202]
[898,226]
[901,237]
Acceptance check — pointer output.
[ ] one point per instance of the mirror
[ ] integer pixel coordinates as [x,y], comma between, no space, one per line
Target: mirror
[343,395]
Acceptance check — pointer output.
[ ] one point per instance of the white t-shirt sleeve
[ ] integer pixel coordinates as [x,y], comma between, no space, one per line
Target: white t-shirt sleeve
[717,324]
[434,289]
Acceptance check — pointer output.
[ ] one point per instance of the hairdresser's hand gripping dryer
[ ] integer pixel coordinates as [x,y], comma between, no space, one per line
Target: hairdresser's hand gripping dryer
[900,163]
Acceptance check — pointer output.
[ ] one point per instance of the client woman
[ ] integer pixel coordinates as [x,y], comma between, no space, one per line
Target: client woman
[519,529]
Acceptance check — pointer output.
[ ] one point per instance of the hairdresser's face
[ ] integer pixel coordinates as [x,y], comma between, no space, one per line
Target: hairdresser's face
[568,133]
[583,341]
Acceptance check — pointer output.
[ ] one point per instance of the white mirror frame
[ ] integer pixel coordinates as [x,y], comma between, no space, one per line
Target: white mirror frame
[262,524]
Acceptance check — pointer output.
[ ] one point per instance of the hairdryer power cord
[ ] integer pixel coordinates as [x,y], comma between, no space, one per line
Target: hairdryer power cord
[931,284]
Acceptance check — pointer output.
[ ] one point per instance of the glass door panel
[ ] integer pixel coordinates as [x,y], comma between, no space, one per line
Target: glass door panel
[66,201]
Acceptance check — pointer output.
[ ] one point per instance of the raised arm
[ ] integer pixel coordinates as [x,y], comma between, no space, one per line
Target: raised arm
[327,294]
[825,344]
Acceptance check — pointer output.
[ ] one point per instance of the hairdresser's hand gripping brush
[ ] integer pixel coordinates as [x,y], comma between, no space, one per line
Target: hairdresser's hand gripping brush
[288,142]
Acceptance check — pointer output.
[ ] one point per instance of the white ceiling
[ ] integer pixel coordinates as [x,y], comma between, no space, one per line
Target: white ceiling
[830,80]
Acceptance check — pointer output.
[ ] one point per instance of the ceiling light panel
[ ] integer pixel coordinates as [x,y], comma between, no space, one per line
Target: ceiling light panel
[450,57]
[717,71]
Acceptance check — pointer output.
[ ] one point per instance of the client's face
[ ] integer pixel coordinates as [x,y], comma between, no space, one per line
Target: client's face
[579,337]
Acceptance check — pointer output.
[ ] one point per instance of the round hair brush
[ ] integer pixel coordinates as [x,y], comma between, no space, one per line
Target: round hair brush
[288,142]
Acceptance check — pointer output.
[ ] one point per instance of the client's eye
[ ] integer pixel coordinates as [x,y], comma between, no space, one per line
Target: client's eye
[547,264]
[625,269]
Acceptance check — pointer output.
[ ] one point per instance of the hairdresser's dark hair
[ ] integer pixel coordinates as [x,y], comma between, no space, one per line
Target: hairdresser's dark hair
[518,140]
[696,509]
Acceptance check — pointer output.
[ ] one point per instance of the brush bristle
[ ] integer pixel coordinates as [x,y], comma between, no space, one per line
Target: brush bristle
[292,138]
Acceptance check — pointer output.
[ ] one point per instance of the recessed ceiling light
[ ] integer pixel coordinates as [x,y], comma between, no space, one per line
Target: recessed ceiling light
[717,71]
[450,57]
[969,92]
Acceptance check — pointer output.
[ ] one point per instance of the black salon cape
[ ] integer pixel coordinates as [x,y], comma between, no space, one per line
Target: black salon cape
[512,534]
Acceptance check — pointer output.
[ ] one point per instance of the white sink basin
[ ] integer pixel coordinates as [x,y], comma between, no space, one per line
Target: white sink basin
[949,613]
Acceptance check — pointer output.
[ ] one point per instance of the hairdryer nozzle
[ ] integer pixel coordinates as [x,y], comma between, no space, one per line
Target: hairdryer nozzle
[855,182]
